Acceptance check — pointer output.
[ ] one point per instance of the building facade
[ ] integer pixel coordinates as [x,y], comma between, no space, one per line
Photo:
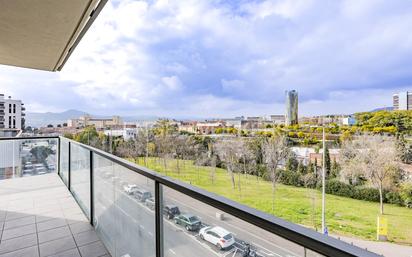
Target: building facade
[209,127]
[402,101]
[277,119]
[291,117]
[11,116]
[98,123]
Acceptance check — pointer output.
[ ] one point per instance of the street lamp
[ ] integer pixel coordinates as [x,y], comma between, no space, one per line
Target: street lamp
[324,229]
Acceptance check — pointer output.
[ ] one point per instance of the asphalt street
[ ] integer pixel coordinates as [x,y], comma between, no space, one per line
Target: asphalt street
[127,226]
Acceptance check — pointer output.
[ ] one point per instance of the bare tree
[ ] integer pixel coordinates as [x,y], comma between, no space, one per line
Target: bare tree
[376,158]
[275,150]
[229,152]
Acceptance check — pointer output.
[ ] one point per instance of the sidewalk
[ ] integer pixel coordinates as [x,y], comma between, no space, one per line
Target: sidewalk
[384,248]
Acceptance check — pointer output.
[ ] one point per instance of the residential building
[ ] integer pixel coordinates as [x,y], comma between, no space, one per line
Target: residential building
[309,155]
[402,101]
[126,133]
[251,124]
[234,123]
[209,127]
[318,157]
[187,126]
[99,123]
[11,116]
[291,116]
[277,119]
[348,121]
[328,119]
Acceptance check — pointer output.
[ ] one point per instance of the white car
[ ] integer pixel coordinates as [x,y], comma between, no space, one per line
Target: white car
[217,236]
[130,189]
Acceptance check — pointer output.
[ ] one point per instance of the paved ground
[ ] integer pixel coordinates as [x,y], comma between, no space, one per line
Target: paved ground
[39,217]
[384,248]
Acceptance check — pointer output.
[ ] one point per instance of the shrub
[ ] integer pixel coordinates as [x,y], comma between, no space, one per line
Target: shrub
[291,178]
[366,193]
[406,194]
[339,188]
[309,180]
[393,198]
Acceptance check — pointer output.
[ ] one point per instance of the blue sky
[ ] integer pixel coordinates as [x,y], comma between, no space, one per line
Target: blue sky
[216,58]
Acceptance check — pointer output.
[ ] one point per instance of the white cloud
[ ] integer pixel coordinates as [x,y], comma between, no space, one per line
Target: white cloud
[233,85]
[172,82]
[215,58]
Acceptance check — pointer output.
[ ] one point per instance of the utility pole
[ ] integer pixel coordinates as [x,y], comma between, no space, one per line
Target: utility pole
[323,183]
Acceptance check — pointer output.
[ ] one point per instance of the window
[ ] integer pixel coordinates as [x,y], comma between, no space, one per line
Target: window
[9,108]
[14,108]
[14,122]
[9,122]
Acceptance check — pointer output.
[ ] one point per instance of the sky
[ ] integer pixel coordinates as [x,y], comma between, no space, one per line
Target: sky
[225,58]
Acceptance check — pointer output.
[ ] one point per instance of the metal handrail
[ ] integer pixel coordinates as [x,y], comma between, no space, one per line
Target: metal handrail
[302,236]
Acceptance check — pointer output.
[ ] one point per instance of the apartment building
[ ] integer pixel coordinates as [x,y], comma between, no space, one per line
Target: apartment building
[277,119]
[402,101]
[98,123]
[11,116]
[209,127]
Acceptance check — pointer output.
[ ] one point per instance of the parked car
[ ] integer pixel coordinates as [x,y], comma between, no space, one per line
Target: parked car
[189,221]
[142,195]
[150,203]
[217,236]
[130,188]
[170,211]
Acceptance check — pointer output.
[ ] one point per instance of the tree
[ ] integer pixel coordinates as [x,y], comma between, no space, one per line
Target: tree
[301,169]
[164,131]
[346,136]
[327,162]
[229,152]
[404,149]
[292,163]
[375,157]
[334,170]
[41,153]
[275,150]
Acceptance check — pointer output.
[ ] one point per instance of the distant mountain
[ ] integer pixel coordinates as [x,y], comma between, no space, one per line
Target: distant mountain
[383,109]
[36,119]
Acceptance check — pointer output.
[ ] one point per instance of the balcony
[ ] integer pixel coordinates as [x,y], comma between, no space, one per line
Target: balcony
[86,202]
[41,218]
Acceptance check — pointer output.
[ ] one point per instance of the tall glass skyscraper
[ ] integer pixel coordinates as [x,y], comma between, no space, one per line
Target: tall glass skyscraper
[291,117]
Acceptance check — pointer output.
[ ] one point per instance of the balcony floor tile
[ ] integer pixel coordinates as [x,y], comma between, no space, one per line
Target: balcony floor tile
[39,217]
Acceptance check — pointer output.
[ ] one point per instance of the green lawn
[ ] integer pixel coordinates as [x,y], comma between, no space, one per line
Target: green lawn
[344,216]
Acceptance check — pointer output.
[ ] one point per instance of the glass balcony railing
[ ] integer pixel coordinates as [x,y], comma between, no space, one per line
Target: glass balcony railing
[27,157]
[137,212]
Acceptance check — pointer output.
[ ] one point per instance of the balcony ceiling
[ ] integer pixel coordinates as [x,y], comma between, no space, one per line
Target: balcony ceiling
[41,34]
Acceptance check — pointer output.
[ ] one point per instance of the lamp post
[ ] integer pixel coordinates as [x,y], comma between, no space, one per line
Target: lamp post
[323,183]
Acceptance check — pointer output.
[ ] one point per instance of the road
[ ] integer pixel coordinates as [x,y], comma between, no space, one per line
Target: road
[128,226]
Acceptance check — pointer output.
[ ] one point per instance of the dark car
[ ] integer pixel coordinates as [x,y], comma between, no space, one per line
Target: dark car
[142,195]
[189,221]
[150,203]
[170,211]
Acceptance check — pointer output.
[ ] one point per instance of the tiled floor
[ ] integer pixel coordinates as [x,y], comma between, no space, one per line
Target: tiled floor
[39,217]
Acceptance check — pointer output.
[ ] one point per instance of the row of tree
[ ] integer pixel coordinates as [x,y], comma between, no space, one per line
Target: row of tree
[370,161]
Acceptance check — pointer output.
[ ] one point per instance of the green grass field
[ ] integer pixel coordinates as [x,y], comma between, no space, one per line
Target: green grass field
[344,216]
